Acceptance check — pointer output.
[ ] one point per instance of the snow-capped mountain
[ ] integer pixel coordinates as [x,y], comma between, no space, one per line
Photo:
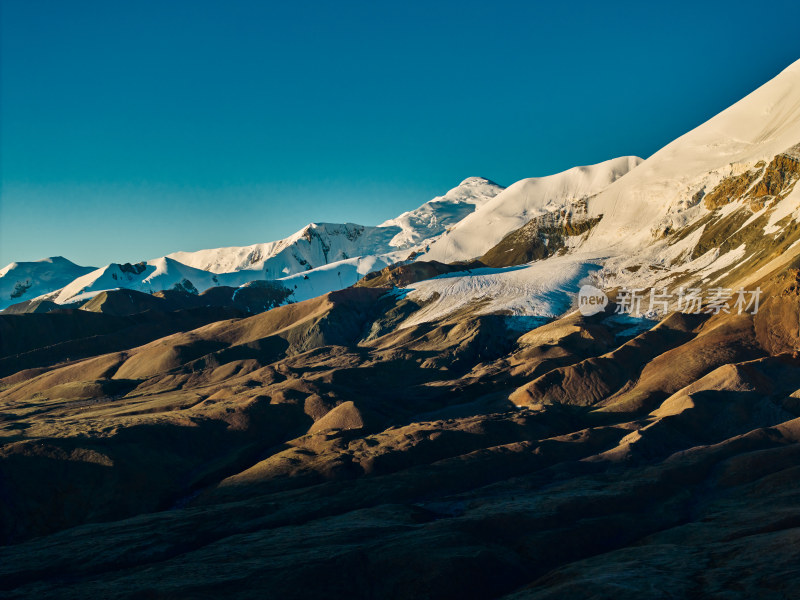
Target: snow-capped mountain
[319,258]
[430,220]
[151,276]
[470,399]
[665,192]
[718,207]
[521,202]
[320,244]
[313,246]
[22,281]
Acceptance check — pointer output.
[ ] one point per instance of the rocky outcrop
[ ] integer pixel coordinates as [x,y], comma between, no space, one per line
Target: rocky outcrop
[401,275]
[761,185]
[541,237]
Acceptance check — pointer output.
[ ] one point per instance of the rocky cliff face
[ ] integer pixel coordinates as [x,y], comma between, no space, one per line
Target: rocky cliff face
[543,236]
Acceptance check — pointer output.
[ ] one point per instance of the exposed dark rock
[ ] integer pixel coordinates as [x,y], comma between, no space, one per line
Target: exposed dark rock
[401,275]
[541,237]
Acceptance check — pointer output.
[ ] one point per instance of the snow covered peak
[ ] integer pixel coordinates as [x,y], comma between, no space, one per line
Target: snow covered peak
[316,259]
[476,181]
[314,245]
[319,244]
[475,190]
[420,226]
[152,276]
[519,203]
[55,261]
[20,281]
[665,211]
[657,195]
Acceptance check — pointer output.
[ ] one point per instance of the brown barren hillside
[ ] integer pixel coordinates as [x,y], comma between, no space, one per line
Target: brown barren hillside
[455,458]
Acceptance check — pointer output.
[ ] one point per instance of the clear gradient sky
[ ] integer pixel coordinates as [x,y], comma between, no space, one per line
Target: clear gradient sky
[131,129]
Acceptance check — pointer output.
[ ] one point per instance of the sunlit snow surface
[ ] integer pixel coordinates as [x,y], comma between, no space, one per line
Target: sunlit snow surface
[321,244]
[26,280]
[319,258]
[334,276]
[640,208]
[541,289]
[519,203]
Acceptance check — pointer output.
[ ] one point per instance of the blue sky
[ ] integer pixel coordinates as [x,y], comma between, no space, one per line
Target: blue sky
[131,129]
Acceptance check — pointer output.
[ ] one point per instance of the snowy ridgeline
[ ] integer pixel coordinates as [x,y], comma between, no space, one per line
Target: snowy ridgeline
[317,259]
[653,220]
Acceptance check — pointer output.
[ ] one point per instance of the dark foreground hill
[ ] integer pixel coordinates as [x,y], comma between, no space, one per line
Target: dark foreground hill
[324,449]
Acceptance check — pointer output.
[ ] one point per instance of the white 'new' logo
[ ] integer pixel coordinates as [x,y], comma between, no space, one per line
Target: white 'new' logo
[591,300]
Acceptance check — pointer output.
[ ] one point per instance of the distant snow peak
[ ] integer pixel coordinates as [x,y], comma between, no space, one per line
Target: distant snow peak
[477,181]
[320,244]
[420,227]
[20,281]
[318,258]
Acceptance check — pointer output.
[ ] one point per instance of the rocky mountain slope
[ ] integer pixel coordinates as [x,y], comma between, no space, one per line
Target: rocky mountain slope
[717,208]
